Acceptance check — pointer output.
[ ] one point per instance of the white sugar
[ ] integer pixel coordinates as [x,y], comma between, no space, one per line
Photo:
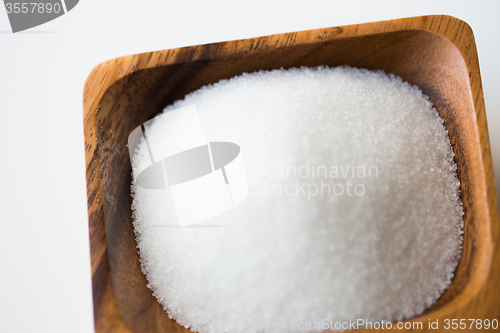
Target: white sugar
[282,261]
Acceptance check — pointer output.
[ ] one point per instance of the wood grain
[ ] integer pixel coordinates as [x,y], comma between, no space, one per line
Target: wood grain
[438,53]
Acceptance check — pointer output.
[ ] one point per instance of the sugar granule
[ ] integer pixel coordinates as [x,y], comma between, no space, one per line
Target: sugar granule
[281,260]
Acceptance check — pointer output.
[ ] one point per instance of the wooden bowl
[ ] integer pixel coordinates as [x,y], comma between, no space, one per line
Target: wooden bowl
[437,53]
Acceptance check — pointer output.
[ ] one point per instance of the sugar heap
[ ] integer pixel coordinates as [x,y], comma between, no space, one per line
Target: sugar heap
[383,248]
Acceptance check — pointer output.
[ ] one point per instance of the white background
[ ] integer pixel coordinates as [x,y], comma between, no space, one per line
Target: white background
[44,251]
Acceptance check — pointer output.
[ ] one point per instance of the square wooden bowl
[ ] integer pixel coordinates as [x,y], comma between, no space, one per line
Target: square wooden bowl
[437,53]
